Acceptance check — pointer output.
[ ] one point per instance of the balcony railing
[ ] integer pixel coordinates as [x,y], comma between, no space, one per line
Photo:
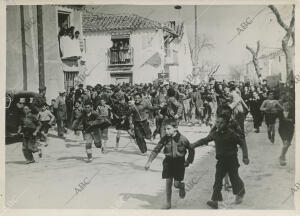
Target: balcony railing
[120,57]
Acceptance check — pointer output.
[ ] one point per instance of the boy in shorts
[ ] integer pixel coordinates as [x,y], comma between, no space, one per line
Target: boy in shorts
[271,108]
[46,118]
[104,111]
[77,112]
[91,133]
[175,148]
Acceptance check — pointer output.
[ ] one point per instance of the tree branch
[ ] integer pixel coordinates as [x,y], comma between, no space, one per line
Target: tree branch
[278,17]
[251,50]
[257,50]
[292,23]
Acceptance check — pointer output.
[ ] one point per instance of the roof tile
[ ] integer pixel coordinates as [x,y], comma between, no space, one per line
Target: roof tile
[104,22]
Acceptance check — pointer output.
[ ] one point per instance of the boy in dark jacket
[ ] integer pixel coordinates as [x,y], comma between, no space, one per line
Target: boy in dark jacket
[175,147]
[226,141]
[90,120]
[30,125]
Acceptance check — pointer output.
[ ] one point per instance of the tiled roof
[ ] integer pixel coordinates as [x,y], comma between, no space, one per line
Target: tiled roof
[104,22]
[176,26]
[77,7]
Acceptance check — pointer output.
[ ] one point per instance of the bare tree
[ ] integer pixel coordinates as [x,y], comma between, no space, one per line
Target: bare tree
[255,58]
[205,69]
[289,38]
[202,43]
[213,69]
[202,68]
[236,72]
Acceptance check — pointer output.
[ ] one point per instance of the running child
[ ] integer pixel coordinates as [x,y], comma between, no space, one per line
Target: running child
[104,111]
[76,123]
[286,130]
[271,108]
[121,118]
[226,141]
[175,148]
[46,118]
[30,126]
[91,134]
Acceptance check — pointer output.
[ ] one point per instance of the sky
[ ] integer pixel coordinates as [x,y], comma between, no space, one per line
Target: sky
[219,23]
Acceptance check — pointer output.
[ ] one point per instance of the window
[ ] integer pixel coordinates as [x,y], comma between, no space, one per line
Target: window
[63,22]
[69,39]
[63,19]
[120,52]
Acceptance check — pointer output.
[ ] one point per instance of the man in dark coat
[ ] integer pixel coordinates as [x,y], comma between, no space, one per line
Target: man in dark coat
[79,92]
[39,99]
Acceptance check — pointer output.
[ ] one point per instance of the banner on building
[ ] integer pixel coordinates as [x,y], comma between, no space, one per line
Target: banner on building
[154,60]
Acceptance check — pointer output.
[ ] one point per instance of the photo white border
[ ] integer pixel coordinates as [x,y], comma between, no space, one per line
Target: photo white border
[75,212]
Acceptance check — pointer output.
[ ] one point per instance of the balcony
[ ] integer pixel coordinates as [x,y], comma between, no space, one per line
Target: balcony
[120,58]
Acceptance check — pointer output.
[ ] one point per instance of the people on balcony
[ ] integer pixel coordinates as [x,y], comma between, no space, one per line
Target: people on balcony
[79,41]
[127,53]
[69,44]
[120,53]
[114,54]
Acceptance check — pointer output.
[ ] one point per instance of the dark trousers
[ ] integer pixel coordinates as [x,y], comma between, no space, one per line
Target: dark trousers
[230,165]
[142,130]
[240,118]
[61,127]
[29,145]
[257,120]
[158,123]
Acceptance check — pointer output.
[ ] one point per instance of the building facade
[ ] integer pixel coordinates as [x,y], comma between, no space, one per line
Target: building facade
[178,61]
[34,30]
[132,49]
[272,67]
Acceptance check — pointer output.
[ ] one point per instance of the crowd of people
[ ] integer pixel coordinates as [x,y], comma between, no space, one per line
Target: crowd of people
[222,105]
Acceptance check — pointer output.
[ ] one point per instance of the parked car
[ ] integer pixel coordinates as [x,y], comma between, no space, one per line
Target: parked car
[14,112]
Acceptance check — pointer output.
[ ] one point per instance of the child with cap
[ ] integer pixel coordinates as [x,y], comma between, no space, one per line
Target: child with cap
[175,148]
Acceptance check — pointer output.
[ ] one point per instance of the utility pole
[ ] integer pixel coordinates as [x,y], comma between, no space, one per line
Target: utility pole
[23,48]
[196,27]
[40,46]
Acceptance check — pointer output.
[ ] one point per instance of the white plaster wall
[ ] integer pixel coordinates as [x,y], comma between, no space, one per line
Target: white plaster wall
[144,73]
[97,45]
[145,43]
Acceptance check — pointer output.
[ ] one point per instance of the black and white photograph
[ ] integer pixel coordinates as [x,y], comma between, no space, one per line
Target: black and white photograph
[150,107]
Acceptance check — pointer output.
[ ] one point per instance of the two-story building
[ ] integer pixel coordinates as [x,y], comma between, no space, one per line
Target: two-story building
[37,52]
[130,48]
[272,67]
